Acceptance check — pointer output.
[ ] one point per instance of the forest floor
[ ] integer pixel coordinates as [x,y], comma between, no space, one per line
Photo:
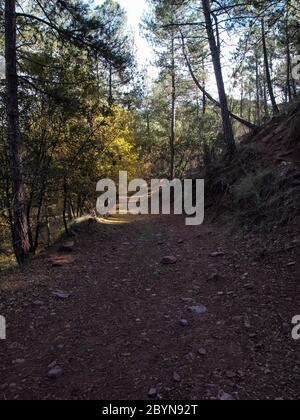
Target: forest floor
[109,320]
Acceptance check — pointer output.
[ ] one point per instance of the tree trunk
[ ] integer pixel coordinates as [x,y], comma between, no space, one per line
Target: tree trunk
[65,188]
[204,86]
[266,105]
[227,126]
[38,217]
[110,87]
[49,238]
[288,57]
[148,126]
[173,110]
[258,113]
[19,223]
[267,69]
[288,74]
[250,107]
[218,41]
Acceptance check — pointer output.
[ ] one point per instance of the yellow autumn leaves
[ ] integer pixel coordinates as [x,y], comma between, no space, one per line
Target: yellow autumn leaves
[120,151]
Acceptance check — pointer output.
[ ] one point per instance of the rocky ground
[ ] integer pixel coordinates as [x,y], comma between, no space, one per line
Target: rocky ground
[148,308]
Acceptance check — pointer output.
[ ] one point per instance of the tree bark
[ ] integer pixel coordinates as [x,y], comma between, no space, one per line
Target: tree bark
[258,102]
[110,88]
[204,87]
[173,109]
[288,57]
[227,126]
[65,188]
[267,69]
[19,214]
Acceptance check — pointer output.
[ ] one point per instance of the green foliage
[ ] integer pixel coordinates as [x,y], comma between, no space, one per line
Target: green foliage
[72,135]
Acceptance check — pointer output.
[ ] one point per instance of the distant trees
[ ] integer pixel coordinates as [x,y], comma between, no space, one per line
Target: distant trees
[161,28]
[268,38]
[268,41]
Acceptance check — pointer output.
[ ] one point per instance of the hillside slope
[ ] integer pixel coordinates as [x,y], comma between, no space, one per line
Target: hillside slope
[261,186]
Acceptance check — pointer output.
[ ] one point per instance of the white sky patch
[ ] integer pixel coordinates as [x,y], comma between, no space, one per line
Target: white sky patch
[145,54]
[135,10]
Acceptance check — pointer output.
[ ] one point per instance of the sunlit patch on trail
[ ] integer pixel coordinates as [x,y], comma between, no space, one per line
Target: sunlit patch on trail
[124,219]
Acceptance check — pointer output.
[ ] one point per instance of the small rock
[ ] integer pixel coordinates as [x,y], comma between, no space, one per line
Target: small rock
[180,241]
[152,393]
[202,352]
[184,323]
[61,295]
[191,356]
[52,365]
[291,264]
[169,260]
[176,377]
[38,303]
[223,396]
[217,254]
[55,373]
[199,309]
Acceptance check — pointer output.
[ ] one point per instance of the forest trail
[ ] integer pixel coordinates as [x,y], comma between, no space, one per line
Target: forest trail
[116,329]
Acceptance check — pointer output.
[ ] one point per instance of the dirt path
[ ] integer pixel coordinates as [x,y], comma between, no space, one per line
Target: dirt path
[117,331]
